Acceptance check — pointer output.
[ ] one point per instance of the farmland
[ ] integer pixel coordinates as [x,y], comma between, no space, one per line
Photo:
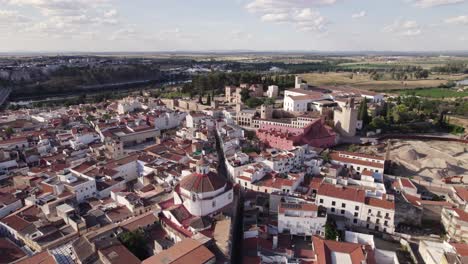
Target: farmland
[435,93]
[364,81]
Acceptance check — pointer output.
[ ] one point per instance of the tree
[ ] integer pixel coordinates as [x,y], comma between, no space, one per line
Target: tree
[331,233]
[388,113]
[208,100]
[399,113]
[253,102]
[269,101]
[9,131]
[325,156]
[245,95]
[363,113]
[200,99]
[378,122]
[135,242]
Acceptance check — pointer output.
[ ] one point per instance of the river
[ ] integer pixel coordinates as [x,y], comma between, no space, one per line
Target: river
[462,82]
[95,89]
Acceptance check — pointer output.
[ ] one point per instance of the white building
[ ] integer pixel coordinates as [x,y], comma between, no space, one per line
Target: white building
[359,207]
[169,120]
[273,91]
[128,104]
[301,219]
[358,162]
[299,100]
[203,192]
[8,204]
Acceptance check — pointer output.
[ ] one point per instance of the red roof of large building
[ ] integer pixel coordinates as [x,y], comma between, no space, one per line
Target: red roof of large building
[202,183]
[186,251]
[342,192]
[324,249]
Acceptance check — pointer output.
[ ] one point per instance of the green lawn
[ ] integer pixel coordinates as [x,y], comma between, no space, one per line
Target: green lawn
[435,93]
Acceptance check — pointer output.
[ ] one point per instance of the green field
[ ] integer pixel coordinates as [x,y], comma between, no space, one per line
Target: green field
[435,93]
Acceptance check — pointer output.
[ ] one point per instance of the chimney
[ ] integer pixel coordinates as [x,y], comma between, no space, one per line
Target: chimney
[275,242]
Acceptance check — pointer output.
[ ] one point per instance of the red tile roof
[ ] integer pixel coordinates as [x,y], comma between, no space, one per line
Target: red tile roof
[342,192]
[41,258]
[336,157]
[325,248]
[462,193]
[382,203]
[186,251]
[202,183]
[119,254]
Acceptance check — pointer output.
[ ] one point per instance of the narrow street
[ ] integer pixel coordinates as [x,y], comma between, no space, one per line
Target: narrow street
[237,236]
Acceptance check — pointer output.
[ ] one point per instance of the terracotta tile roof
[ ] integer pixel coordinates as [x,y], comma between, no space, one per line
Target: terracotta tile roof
[139,222]
[382,203]
[463,216]
[407,183]
[342,192]
[462,193]
[201,183]
[10,251]
[336,157]
[119,254]
[186,251]
[325,248]
[462,249]
[297,207]
[41,258]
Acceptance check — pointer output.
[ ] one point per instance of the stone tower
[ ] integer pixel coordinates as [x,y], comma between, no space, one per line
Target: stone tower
[345,119]
[266,111]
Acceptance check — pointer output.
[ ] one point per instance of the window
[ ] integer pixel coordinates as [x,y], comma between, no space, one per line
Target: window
[343,205]
[378,221]
[386,223]
[333,203]
[321,201]
[387,215]
[333,210]
[368,219]
[230,196]
[367,226]
[370,211]
[356,208]
[355,214]
[385,230]
[342,212]
[355,221]
[214,203]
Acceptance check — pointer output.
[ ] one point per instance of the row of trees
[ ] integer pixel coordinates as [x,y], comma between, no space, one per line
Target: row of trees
[407,110]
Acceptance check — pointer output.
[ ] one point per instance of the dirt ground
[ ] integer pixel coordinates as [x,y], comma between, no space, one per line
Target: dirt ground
[429,160]
[363,81]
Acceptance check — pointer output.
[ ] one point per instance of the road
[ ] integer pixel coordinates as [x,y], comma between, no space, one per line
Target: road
[4,94]
[237,230]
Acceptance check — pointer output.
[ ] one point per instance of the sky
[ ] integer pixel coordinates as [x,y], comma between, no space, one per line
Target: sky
[207,25]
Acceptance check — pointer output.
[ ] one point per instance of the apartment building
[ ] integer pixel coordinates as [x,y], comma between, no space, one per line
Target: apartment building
[358,162]
[455,222]
[301,219]
[359,207]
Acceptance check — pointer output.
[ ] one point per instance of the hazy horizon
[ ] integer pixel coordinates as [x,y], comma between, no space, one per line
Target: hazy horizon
[254,25]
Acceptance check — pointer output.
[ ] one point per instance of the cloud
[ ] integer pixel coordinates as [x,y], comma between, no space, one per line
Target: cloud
[403,28]
[433,3]
[111,13]
[8,17]
[66,18]
[460,20]
[295,12]
[359,15]
[240,35]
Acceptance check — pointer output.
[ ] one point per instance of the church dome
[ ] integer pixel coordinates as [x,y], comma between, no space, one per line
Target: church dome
[202,183]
